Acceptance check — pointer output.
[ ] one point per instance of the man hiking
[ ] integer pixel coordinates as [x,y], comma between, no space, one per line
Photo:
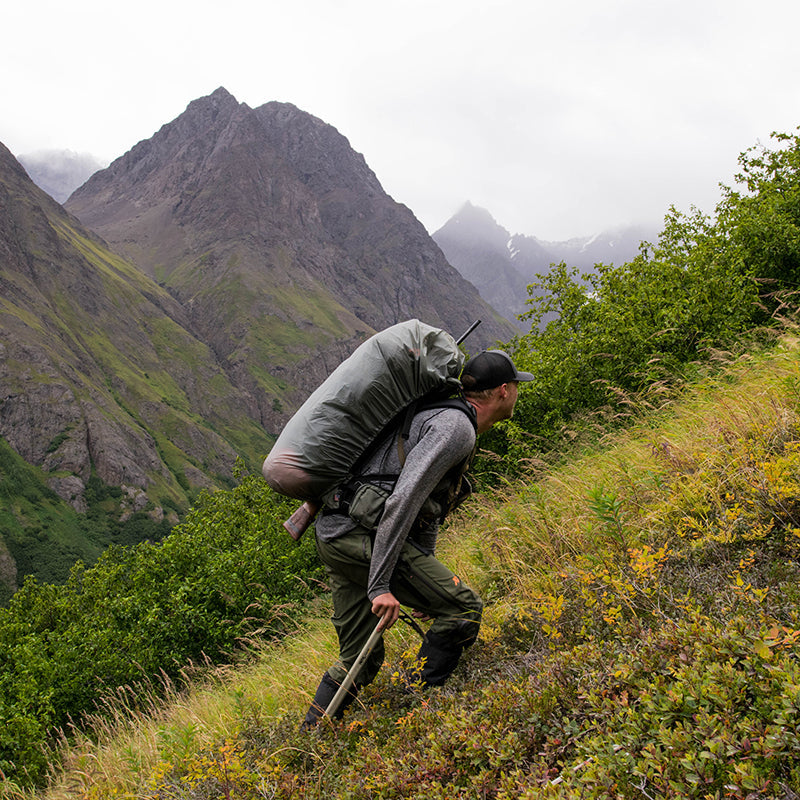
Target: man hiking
[373,572]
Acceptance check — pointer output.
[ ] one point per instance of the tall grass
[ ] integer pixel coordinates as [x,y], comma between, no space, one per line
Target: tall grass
[641,639]
[601,499]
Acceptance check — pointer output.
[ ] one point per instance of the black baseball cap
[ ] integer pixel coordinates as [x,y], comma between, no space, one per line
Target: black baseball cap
[491,368]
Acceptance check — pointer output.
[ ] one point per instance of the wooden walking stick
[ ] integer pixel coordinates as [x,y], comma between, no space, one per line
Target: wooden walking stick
[347,683]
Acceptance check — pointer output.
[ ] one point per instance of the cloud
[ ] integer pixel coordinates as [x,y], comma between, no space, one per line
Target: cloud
[559,118]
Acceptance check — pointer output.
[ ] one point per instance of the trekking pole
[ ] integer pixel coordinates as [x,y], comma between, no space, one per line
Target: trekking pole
[334,704]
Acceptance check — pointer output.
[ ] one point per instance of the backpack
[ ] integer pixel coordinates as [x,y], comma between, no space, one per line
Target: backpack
[363,495]
[325,438]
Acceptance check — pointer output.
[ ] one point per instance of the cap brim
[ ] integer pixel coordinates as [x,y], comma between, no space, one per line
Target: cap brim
[523,376]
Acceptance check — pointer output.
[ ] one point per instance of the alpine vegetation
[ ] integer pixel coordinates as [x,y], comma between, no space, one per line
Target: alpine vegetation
[635,543]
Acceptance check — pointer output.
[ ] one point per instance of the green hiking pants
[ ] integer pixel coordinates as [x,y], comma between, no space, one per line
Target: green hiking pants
[420,582]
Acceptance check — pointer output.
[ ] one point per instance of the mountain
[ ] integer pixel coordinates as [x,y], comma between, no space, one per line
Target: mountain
[101,379]
[245,253]
[59,172]
[478,247]
[278,242]
[502,265]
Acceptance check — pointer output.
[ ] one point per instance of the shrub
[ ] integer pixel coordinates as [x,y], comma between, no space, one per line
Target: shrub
[229,572]
[636,327]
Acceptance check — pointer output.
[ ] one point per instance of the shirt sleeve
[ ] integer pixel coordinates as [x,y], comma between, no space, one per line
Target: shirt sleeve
[445,440]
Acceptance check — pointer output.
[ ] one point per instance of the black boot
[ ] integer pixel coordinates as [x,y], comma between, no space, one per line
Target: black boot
[438,657]
[326,691]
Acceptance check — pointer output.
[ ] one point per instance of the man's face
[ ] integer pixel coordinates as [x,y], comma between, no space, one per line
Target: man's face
[510,399]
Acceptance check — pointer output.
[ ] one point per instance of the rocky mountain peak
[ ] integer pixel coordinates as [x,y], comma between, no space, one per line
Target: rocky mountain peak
[279,242]
[472,224]
[321,156]
[503,266]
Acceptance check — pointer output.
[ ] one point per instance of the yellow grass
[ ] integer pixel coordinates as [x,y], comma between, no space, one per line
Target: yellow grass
[508,544]
[518,536]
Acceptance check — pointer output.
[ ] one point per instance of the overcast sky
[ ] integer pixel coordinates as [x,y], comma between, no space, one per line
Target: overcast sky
[561,117]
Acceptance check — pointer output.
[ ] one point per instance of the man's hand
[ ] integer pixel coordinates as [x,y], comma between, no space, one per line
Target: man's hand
[387,607]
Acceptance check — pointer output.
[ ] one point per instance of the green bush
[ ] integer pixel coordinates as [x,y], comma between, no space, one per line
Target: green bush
[228,572]
[622,330]
[761,223]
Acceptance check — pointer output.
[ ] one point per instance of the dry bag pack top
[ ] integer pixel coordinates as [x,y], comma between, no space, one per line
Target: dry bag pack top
[328,433]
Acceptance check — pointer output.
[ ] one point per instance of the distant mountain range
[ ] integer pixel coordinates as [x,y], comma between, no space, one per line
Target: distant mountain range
[186,299]
[499,264]
[502,265]
[59,172]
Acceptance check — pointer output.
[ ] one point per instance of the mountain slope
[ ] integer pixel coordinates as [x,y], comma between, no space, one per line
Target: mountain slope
[278,241]
[502,265]
[99,377]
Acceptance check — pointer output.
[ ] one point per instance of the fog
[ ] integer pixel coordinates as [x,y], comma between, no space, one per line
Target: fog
[560,119]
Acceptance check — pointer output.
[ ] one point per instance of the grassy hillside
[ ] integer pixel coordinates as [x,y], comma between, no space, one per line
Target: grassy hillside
[641,629]
[641,639]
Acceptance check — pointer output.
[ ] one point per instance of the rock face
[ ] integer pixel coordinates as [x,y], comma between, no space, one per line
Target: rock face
[279,243]
[245,253]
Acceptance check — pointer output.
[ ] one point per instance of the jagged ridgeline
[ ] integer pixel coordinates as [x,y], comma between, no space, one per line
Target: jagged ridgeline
[102,386]
[244,254]
[278,241]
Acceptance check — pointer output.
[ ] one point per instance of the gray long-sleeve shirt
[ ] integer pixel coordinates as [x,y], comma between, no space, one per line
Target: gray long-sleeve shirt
[439,440]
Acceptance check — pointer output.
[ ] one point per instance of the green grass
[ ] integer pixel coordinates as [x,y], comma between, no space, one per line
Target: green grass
[641,639]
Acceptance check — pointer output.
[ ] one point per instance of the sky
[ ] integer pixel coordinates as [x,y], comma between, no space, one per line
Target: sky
[561,118]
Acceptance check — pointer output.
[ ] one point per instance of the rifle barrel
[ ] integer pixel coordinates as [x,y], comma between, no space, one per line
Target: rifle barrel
[468,331]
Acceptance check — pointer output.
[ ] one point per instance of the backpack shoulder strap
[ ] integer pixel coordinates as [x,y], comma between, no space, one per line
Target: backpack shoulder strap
[338,500]
[426,403]
[457,401]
